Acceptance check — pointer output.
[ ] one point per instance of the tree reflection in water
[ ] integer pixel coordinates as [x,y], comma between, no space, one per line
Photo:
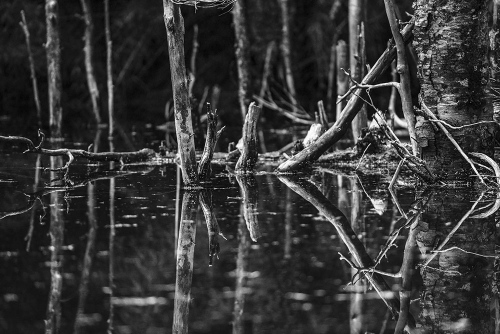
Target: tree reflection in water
[444,282]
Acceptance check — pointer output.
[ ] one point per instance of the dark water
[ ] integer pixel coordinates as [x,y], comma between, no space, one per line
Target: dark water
[130,252]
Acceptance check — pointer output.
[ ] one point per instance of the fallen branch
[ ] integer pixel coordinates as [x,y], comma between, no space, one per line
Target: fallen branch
[122,157]
[355,103]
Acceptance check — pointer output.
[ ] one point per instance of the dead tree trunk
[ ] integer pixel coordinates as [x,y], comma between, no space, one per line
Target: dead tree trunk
[453,72]
[249,156]
[174,24]
[109,71]
[89,67]
[342,78]
[286,49]
[242,55]
[356,8]
[26,31]
[53,50]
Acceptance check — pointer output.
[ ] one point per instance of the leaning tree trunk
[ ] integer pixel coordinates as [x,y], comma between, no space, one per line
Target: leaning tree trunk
[53,50]
[451,40]
[174,24]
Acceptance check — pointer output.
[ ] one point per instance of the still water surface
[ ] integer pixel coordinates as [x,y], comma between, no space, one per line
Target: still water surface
[127,250]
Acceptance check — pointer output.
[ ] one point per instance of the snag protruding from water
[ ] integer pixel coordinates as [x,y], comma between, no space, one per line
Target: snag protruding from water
[204,167]
[249,156]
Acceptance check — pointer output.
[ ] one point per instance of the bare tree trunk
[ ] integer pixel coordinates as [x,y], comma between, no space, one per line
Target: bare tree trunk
[242,56]
[109,71]
[342,78]
[89,67]
[26,31]
[174,24]
[453,72]
[404,74]
[286,49]
[356,8]
[53,50]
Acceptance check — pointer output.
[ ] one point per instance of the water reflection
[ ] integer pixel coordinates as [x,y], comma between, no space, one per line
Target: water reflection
[321,254]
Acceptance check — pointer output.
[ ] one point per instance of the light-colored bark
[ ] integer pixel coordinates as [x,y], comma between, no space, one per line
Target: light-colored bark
[53,50]
[109,70]
[248,158]
[342,78]
[242,55]
[453,71]
[356,8]
[174,24]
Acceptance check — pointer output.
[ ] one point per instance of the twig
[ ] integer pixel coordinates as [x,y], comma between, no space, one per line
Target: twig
[463,250]
[462,126]
[452,232]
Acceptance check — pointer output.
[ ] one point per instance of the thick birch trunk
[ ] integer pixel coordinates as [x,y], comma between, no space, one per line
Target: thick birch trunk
[451,40]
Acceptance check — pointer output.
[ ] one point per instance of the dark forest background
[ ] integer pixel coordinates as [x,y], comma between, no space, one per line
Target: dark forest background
[141,66]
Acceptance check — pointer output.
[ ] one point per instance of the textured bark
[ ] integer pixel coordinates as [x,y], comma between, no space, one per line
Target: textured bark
[53,50]
[404,73]
[242,55]
[89,67]
[174,24]
[457,286]
[451,40]
[185,258]
[356,8]
[205,167]
[248,158]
